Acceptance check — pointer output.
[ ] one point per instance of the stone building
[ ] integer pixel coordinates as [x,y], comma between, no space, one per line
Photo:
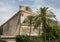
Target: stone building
[15,26]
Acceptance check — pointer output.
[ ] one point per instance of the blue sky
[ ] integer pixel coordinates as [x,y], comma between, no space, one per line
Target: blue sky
[9,7]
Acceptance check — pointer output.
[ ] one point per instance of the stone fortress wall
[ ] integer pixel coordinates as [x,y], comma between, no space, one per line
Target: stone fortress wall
[11,27]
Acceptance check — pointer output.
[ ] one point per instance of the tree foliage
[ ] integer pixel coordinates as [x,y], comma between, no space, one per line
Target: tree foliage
[28,8]
[52,33]
[26,38]
[49,25]
[29,21]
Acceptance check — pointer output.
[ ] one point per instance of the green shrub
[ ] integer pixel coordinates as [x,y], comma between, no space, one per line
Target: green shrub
[28,39]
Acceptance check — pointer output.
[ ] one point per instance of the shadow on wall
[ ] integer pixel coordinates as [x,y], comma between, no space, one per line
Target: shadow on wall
[1,30]
[2,41]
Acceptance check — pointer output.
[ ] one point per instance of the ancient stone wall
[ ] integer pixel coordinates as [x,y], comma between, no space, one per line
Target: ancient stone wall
[12,26]
[8,38]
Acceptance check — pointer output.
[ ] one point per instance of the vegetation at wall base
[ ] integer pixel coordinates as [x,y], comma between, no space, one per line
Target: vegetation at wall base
[22,38]
[25,38]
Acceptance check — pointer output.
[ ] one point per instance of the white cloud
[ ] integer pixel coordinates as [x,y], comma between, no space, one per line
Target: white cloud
[4,7]
[6,11]
[57,13]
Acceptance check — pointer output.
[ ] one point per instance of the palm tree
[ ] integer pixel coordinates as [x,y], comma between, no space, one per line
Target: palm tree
[29,21]
[44,19]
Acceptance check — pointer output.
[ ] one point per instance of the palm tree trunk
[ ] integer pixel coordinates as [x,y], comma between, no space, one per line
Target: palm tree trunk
[30,28]
[49,40]
[54,40]
[44,30]
[30,31]
[44,36]
[39,30]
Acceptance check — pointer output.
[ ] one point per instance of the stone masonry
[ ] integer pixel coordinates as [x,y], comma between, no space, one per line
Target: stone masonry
[12,26]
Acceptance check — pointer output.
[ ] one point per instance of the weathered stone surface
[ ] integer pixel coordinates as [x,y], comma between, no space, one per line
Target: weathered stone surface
[8,38]
[11,27]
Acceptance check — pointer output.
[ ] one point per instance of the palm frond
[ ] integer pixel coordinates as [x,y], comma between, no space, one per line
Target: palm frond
[51,22]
